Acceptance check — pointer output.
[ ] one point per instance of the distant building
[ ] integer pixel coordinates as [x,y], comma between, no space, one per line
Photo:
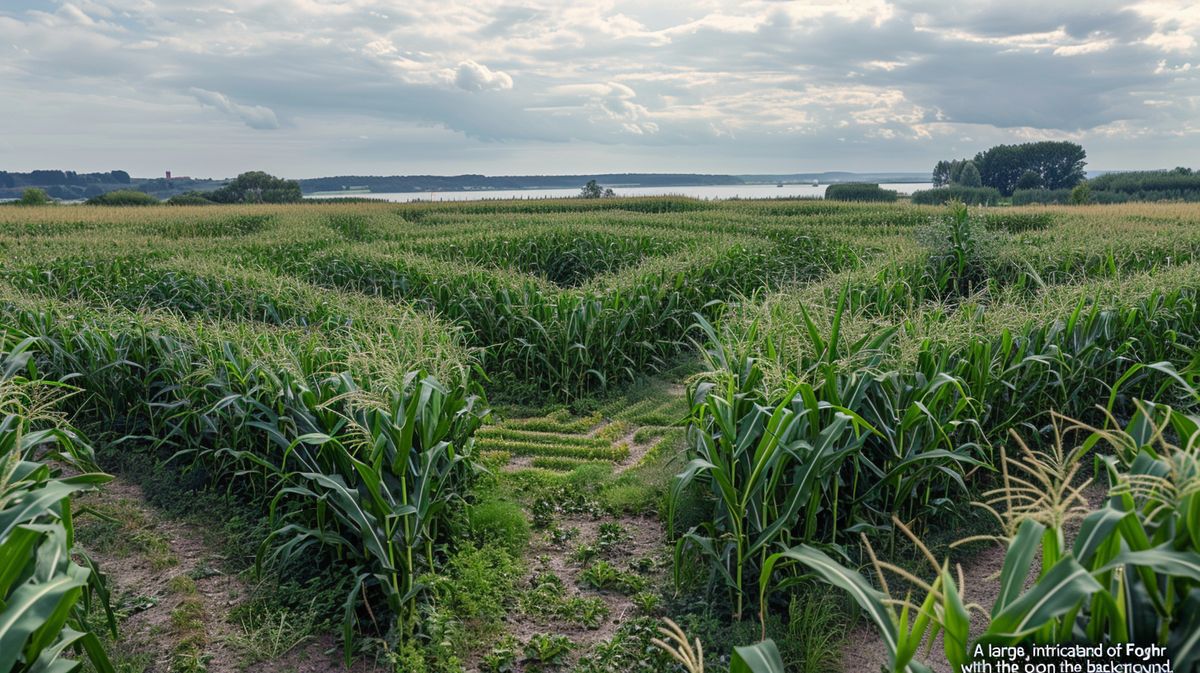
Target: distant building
[176,177]
[168,175]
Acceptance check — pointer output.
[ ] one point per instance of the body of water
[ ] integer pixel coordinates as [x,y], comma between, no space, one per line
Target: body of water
[699,192]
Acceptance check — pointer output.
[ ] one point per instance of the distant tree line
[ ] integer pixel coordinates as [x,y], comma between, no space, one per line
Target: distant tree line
[1007,168]
[56,178]
[450,183]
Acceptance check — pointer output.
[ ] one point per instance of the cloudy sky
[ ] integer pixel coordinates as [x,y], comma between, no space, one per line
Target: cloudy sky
[318,87]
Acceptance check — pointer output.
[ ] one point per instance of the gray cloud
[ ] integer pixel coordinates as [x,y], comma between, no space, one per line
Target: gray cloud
[254,116]
[546,86]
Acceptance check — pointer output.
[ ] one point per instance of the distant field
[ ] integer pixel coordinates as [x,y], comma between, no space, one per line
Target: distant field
[394,394]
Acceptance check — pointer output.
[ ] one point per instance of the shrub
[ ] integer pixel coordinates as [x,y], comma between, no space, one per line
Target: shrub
[1178,184]
[1023,197]
[1081,194]
[34,197]
[123,197]
[502,523]
[859,191]
[975,196]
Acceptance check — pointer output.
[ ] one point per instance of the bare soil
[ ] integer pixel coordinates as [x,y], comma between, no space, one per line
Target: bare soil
[151,564]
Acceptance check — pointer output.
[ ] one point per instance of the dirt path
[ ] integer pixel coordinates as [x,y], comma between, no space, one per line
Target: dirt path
[173,595]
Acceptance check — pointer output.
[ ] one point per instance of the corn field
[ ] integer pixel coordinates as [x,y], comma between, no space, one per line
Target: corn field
[864,372]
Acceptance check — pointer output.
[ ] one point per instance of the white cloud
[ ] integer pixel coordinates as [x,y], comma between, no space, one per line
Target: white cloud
[472,76]
[254,116]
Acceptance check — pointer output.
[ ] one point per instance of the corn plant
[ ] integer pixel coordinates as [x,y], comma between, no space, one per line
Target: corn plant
[761,657]
[45,595]
[1132,573]
[377,497]
[762,465]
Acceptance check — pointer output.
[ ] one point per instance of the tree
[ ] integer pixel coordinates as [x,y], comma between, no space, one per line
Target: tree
[1060,165]
[593,190]
[1029,180]
[48,177]
[34,197]
[1055,165]
[941,173]
[1081,194]
[257,187]
[969,177]
[956,169]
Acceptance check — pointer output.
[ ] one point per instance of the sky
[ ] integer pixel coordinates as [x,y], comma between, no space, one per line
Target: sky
[305,88]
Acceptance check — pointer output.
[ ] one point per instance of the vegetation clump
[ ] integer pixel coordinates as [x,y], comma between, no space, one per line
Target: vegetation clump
[975,196]
[123,197]
[859,191]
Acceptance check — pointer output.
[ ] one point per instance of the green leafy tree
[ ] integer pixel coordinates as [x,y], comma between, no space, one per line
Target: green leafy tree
[956,169]
[1060,165]
[941,173]
[257,187]
[593,190]
[1029,180]
[970,176]
[34,197]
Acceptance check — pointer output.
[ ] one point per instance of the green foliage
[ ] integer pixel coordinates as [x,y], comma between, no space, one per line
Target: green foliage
[1023,197]
[1029,180]
[1059,165]
[500,522]
[1081,194]
[548,599]
[1182,184]
[1130,575]
[969,177]
[46,583]
[34,196]
[975,196]
[477,585]
[859,191]
[959,254]
[545,652]
[381,493]
[593,190]
[257,187]
[123,197]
